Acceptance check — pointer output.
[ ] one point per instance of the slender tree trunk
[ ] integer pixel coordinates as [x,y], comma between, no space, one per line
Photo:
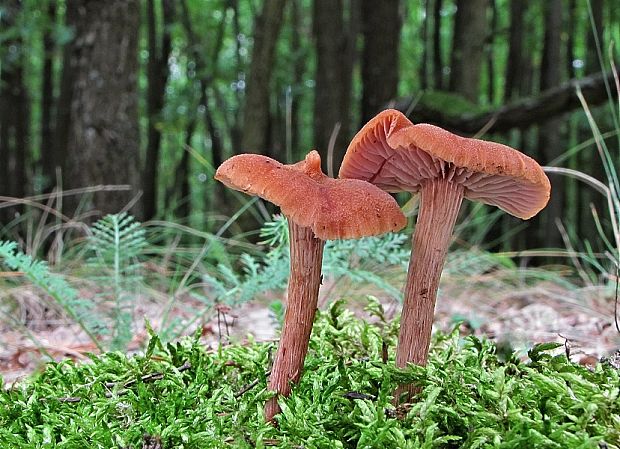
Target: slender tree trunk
[63,104]
[570,39]
[184,202]
[48,158]
[14,111]
[333,77]
[381,25]
[236,131]
[204,81]
[219,200]
[299,68]
[425,41]
[5,129]
[490,50]
[157,73]
[550,133]
[103,140]
[21,121]
[595,44]
[256,114]
[437,56]
[470,27]
[514,64]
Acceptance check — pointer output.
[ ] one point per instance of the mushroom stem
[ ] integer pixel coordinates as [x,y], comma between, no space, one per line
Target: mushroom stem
[303,291]
[440,201]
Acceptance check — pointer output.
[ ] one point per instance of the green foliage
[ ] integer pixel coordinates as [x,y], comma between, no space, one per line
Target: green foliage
[112,272]
[184,396]
[55,286]
[450,104]
[363,260]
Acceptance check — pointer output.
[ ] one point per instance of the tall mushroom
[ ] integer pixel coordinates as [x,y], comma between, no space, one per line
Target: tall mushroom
[444,168]
[318,208]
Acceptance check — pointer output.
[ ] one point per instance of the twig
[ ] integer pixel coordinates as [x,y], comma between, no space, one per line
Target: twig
[249,386]
[70,399]
[151,377]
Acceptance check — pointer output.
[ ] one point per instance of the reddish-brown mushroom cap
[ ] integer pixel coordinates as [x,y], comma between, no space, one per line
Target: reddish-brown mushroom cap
[490,172]
[369,150]
[333,208]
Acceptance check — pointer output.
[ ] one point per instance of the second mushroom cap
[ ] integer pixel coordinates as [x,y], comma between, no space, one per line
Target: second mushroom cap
[397,156]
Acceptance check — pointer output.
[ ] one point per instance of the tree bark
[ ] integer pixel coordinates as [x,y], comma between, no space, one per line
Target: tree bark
[103,138]
[256,113]
[594,42]
[425,41]
[157,73]
[63,104]
[48,158]
[437,56]
[14,111]
[570,39]
[299,67]
[550,133]
[381,24]
[470,24]
[490,52]
[334,65]
[514,66]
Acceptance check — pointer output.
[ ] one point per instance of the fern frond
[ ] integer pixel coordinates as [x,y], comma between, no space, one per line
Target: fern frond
[117,241]
[56,287]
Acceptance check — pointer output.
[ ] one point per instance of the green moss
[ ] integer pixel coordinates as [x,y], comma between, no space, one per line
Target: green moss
[187,397]
[450,104]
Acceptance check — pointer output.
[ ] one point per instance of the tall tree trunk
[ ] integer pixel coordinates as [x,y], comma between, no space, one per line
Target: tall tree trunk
[48,158]
[595,36]
[514,64]
[236,131]
[157,73]
[437,56]
[204,81]
[570,39]
[381,25]
[299,67]
[256,114]
[63,104]
[103,138]
[470,27]
[425,41]
[490,49]
[21,125]
[14,111]
[184,202]
[334,65]
[550,133]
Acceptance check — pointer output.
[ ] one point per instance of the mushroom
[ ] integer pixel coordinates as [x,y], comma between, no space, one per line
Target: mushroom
[318,208]
[444,168]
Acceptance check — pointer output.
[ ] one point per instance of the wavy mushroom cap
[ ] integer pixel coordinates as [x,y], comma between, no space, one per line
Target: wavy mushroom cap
[369,150]
[333,208]
[490,172]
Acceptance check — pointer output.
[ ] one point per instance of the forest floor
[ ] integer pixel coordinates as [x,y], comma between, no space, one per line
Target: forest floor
[515,316]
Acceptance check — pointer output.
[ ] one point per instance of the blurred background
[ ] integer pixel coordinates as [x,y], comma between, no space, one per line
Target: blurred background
[110,106]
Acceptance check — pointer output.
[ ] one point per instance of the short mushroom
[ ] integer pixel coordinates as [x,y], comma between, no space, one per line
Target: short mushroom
[444,168]
[318,208]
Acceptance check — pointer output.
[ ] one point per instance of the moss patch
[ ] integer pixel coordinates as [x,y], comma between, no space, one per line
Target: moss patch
[181,396]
